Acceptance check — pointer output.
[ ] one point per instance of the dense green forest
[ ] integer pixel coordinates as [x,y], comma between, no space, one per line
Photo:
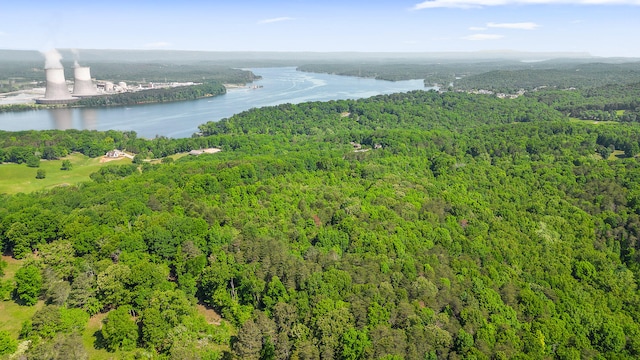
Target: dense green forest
[558,77]
[618,102]
[462,226]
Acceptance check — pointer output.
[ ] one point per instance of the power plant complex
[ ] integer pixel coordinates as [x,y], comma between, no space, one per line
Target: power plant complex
[57,91]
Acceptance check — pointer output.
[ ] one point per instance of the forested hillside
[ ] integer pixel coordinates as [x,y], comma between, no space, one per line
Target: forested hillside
[556,76]
[407,226]
[499,76]
[617,102]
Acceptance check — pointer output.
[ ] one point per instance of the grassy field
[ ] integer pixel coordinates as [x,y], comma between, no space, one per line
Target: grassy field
[89,341]
[174,157]
[616,154]
[19,178]
[13,315]
[12,266]
[594,122]
[16,178]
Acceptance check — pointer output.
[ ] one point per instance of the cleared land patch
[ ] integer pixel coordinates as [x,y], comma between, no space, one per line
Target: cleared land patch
[16,178]
[593,122]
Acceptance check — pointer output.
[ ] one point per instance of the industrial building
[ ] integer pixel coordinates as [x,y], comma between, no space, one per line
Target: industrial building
[56,91]
[83,86]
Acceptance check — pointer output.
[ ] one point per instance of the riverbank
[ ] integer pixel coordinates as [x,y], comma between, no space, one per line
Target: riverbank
[180,119]
[25,100]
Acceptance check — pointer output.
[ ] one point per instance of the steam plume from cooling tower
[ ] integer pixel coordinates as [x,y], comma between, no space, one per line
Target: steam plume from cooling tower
[52,59]
[76,57]
[56,91]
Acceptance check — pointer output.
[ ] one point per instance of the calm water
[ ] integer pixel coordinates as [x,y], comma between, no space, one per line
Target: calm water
[181,119]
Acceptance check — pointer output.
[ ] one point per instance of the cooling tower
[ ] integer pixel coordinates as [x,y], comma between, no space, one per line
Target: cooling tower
[57,91]
[83,86]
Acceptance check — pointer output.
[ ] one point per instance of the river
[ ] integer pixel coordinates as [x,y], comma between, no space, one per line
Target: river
[181,119]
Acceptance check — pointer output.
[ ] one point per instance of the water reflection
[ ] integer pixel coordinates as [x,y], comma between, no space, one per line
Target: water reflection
[89,119]
[62,118]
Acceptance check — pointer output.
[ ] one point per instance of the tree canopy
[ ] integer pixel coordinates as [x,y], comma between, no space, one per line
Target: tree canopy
[418,225]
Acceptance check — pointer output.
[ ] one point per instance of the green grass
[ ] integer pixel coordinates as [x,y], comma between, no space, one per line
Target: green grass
[619,112]
[16,178]
[174,157]
[12,266]
[89,341]
[616,154]
[13,315]
[593,122]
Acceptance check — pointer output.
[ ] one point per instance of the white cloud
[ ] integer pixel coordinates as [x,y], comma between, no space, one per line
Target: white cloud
[467,4]
[477,28]
[274,20]
[519,26]
[483,37]
[157,45]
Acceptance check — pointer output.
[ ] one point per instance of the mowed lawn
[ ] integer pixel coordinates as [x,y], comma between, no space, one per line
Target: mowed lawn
[13,315]
[16,178]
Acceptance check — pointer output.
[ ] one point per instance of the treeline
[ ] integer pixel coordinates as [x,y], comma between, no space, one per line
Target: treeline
[19,107]
[434,72]
[389,72]
[179,93]
[557,77]
[414,110]
[497,76]
[18,147]
[163,72]
[616,102]
[479,228]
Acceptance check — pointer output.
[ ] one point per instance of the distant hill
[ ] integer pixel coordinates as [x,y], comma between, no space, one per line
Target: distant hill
[290,58]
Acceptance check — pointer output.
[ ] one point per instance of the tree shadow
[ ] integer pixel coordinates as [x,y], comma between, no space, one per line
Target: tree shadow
[98,340]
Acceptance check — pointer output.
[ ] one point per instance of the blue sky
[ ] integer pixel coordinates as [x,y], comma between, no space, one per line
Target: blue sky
[600,27]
